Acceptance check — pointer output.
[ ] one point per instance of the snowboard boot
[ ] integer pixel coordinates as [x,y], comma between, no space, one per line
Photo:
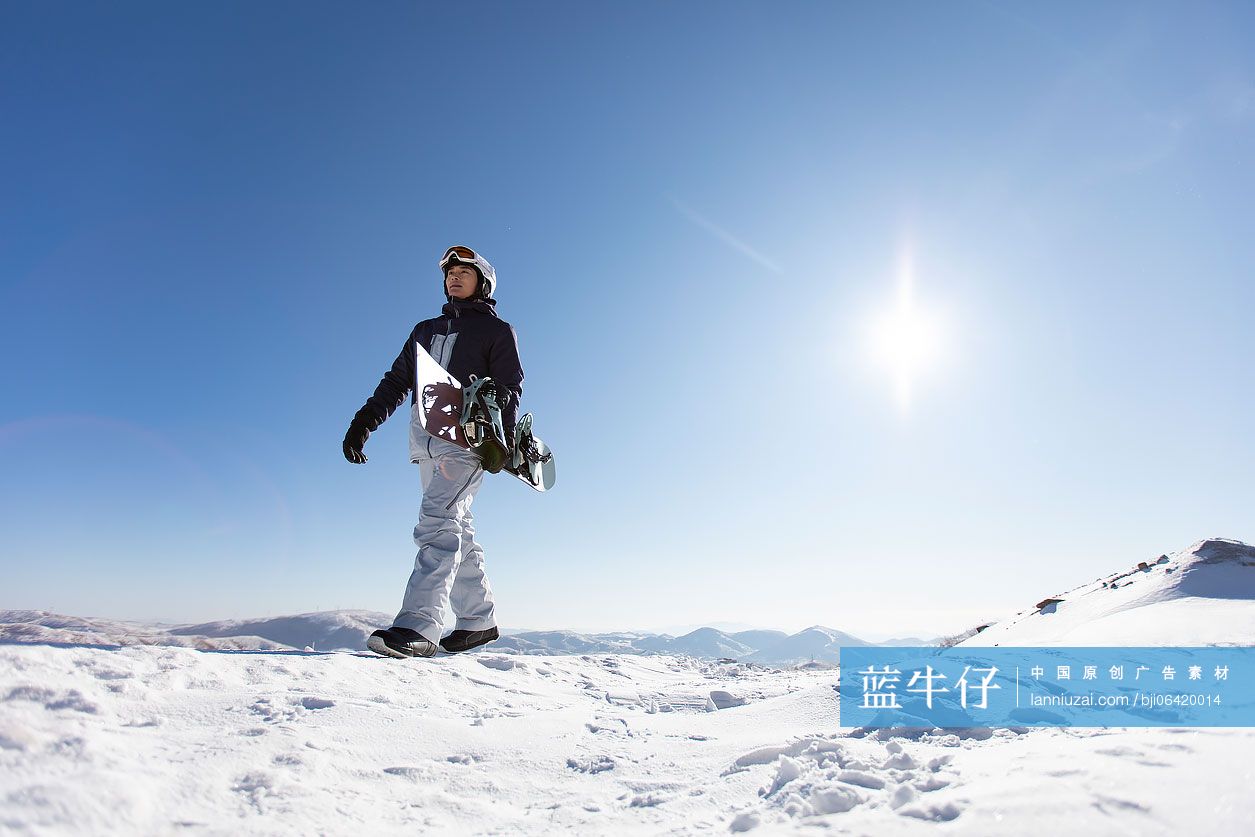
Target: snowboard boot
[466,640]
[400,643]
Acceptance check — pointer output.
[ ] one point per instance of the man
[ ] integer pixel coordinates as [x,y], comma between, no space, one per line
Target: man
[468,338]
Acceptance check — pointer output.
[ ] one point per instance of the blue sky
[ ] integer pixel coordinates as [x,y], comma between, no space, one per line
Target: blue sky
[219,222]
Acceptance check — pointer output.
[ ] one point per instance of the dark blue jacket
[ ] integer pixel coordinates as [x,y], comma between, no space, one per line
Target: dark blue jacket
[468,338]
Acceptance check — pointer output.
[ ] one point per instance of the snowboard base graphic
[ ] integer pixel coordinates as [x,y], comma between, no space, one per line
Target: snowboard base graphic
[447,414]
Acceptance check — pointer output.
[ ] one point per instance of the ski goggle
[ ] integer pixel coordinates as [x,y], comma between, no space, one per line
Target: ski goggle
[462,254]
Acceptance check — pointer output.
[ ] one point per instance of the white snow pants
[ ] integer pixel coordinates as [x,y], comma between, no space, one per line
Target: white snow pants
[449,567]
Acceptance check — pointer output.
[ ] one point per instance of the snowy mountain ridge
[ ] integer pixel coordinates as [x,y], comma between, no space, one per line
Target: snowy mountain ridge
[1203,595]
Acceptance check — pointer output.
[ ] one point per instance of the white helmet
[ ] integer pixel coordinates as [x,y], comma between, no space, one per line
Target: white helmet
[459,254]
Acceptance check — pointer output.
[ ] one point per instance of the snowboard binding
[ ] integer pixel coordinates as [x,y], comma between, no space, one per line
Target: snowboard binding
[481,424]
[531,457]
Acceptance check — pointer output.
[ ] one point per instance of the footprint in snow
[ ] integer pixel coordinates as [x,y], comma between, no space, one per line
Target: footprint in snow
[943,812]
[270,713]
[861,778]
[1113,806]
[592,764]
[255,787]
[1180,747]
[898,758]
[53,700]
[111,674]
[822,776]
[614,726]
[415,774]
[499,663]
[317,703]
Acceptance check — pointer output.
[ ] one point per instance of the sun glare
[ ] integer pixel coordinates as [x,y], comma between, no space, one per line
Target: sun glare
[906,341]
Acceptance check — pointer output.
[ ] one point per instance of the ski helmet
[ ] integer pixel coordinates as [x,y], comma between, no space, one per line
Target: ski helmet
[458,254]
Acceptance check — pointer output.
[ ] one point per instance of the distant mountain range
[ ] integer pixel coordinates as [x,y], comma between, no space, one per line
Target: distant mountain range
[338,630]
[1204,595]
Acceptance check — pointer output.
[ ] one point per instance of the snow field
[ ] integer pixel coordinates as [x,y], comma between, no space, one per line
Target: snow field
[160,740]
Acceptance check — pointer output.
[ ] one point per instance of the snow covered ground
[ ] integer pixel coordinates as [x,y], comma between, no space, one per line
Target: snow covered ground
[157,740]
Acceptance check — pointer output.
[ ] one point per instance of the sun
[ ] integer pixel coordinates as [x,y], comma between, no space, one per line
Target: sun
[906,341]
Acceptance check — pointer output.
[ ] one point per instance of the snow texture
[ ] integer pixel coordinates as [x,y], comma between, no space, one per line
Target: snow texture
[155,740]
[141,737]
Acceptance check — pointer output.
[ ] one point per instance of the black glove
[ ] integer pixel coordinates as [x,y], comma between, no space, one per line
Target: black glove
[354,441]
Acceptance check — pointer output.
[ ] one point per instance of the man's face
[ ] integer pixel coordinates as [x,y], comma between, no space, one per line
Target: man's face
[460,281]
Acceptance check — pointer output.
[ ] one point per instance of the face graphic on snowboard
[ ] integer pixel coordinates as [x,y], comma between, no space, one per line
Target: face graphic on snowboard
[460,280]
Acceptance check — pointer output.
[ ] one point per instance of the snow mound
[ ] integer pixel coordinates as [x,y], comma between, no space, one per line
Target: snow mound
[815,777]
[1201,596]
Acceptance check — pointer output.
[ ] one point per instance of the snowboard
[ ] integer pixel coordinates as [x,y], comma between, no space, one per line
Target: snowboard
[443,402]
